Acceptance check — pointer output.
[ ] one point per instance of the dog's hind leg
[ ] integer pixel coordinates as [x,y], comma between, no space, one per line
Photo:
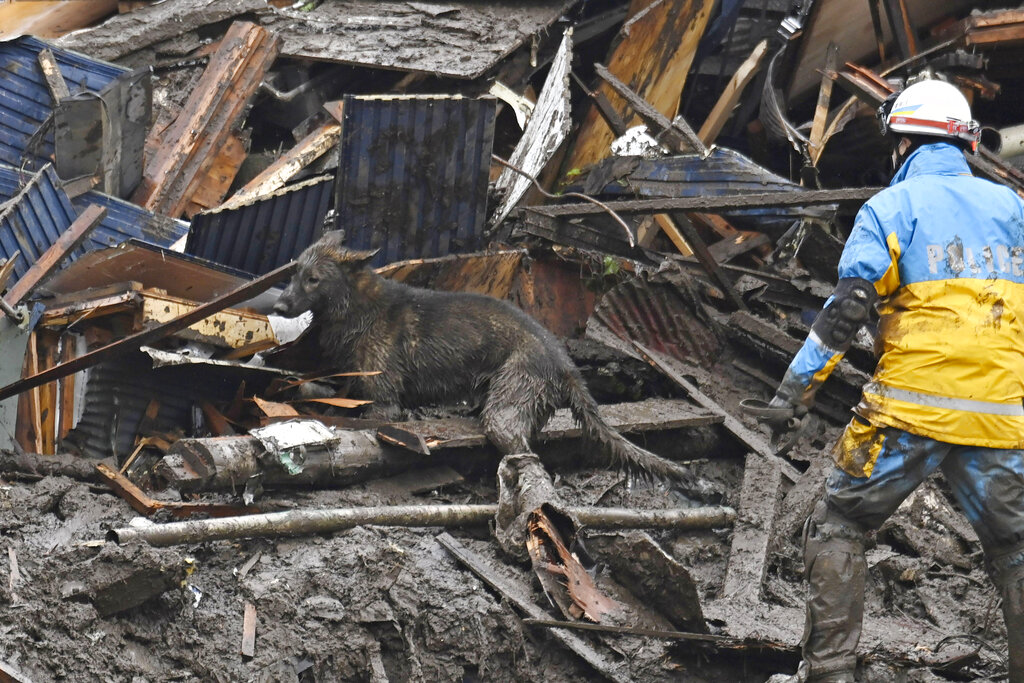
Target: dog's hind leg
[516,407]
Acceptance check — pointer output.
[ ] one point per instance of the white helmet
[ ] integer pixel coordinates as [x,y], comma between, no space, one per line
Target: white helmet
[932,107]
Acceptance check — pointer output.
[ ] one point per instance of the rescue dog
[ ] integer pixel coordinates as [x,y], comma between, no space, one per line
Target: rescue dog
[441,348]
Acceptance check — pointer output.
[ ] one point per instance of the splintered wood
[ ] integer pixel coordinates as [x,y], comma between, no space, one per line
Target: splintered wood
[563,578]
[175,173]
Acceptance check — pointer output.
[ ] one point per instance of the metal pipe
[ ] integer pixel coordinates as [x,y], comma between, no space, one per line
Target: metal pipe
[1004,142]
[300,522]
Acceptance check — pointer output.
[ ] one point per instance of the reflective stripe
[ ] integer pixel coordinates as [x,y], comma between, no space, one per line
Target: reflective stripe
[945,402]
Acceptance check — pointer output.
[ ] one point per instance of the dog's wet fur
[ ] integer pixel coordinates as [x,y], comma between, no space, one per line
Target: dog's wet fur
[443,348]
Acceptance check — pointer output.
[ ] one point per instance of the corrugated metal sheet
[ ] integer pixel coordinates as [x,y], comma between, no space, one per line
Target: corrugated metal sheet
[25,100]
[118,393]
[412,174]
[267,233]
[34,216]
[36,210]
[125,221]
[662,314]
[724,172]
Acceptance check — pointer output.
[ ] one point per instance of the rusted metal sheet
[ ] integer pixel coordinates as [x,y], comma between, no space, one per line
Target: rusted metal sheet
[193,140]
[266,233]
[662,315]
[552,291]
[25,100]
[412,174]
[492,274]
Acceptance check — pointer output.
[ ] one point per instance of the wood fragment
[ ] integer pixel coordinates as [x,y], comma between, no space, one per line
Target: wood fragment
[175,172]
[659,41]
[68,241]
[817,136]
[248,648]
[237,295]
[215,186]
[274,177]
[723,641]
[51,72]
[8,674]
[755,525]
[145,505]
[723,108]
[517,593]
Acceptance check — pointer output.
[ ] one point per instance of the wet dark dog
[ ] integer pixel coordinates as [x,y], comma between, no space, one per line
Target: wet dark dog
[441,348]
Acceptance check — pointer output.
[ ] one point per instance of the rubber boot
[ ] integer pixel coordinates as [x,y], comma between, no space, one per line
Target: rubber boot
[835,570]
[1013,613]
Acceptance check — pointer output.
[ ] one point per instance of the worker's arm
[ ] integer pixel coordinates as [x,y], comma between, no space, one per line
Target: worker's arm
[867,270]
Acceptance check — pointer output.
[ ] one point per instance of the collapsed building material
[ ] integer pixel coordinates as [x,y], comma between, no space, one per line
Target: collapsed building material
[543,135]
[119,579]
[51,18]
[62,247]
[518,594]
[413,173]
[250,237]
[234,73]
[148,506]
[723,108]
[14,342]
[654,57]
[349,456]
[304,522]
[754,529]
[134,341]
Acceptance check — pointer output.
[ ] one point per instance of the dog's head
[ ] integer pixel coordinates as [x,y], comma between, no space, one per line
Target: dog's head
[324,279]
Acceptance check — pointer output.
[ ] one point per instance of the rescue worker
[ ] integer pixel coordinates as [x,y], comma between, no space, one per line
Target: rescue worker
[941,254]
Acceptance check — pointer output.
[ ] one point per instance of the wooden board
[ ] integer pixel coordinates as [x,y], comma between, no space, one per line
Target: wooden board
[50,18]
[658,44]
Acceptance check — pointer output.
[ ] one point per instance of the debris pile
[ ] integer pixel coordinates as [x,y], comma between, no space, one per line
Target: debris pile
[187,490]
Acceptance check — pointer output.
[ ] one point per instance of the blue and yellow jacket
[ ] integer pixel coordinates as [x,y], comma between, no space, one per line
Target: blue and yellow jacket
[945,251]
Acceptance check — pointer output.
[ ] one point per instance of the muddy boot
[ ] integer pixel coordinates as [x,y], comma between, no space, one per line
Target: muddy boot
[835,569]
[1012,590]
[802,674]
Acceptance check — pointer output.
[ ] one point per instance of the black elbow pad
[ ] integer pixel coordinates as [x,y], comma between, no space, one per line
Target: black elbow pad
[850,308]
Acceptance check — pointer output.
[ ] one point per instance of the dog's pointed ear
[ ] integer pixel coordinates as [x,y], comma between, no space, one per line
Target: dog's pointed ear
[362,258]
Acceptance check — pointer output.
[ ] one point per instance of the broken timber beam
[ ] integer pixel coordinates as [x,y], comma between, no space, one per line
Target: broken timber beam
[658,43]
[237,295]
[68,241]
[302,522]
[850,197]
[274,177]
[755,442]
[723,108]
[234,74]
[519,594]
[754,529]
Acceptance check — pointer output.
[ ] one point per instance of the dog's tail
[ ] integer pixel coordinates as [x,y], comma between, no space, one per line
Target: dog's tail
[623,454]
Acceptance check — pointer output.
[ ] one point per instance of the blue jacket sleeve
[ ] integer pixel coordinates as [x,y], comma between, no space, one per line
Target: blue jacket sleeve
[870,254]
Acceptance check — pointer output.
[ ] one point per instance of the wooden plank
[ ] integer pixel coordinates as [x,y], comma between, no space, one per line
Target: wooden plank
[234,73]
[817,136]
[68,241]
[238,295]
[711,267]
[48,350]
[752,533]
[248,648]
[658,44]
[50,18]
[230,328]
[218,180]
[672,368]
[876,24]
[723,108]
[51,72]
[25,430]
[903,30]
[66,392]
[518,593]
[274,177]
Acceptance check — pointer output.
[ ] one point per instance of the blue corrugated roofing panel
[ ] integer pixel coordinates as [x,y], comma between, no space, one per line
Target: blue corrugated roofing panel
[265,233]
[412,174]
[35,210]
[25,100]
[125,220]
[35,213]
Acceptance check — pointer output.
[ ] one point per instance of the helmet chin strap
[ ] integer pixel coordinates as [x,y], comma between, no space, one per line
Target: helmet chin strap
[900,151]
